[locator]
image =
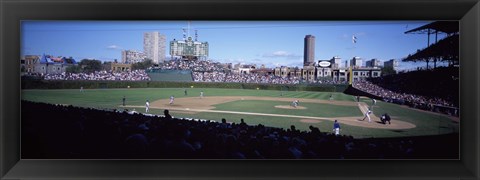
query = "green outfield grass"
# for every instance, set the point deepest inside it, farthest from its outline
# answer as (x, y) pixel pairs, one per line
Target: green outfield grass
(426, 123)
(313, 109)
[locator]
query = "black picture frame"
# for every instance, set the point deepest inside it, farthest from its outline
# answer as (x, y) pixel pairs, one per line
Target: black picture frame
(13, 12)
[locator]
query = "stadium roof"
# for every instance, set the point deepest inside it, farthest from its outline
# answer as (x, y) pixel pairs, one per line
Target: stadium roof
(446, 48)
(440, 26)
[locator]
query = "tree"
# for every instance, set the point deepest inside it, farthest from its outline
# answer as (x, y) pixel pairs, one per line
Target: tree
(90, 65)
(73, 69)
(142, 65)
(69, 60)
(388, 71)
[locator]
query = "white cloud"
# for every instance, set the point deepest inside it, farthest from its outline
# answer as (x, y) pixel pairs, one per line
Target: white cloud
(114, 47)
(281, 54)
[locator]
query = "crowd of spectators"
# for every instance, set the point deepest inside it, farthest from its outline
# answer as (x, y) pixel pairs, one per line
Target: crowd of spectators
(208, 71)
(389, 95)
(432, 90)
(327, 81)
(202, 71)
(198, 65)
(440, 82)
(135, 75)
(74, 132)
(242, 78)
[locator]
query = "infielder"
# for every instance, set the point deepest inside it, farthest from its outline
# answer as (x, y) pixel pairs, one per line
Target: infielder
(201, 94)
(331, 97)
(367, 115)
(336, 128)
(147, 106)
(171, 99)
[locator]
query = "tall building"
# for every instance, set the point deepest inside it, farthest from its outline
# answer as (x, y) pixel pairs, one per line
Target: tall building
(391, 63)
(131, 57)
(356, 62)
(154, 46)
(372, 63)
(336, 62)
(309, 50)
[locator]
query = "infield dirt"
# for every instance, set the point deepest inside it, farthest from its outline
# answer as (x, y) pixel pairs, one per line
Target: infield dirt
(193, 105)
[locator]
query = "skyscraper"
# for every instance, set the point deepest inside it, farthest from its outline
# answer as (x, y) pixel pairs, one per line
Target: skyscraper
(154, 46)
(336, 62)
(309, 50)
(372, 63)
(356, 62)
(391, 63)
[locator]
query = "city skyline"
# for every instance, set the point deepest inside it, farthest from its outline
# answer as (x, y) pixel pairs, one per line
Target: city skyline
(273, 43)
(154, 46)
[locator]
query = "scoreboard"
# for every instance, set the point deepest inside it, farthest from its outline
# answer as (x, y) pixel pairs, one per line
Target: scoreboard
(188, 48)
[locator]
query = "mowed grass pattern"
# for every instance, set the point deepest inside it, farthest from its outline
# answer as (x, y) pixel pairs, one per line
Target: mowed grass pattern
(427, 123)
(312, 109)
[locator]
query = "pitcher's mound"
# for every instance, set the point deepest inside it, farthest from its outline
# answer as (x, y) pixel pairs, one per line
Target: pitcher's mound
(289, 107)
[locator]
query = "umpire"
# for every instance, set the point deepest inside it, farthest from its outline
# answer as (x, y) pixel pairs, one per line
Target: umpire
(385, 117)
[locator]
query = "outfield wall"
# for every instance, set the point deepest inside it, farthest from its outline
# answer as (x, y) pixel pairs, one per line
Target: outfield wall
(170, 75)
(61, 84)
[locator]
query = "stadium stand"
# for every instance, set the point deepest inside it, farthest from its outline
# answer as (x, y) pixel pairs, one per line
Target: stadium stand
(434, 89)
(136, 75)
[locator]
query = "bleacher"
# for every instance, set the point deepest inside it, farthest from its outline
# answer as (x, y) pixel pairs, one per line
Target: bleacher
(170, 75)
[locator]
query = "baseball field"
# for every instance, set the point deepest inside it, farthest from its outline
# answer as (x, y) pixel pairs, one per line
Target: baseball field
(267, 107)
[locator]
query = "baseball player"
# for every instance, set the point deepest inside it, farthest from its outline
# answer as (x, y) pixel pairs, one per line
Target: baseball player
(171, 99)
(385, 117)
(123, 100)
(295, 103)
(336, 128)
(185, 91)
(367, 115)
(331, 97)
(147, 106)
(81, 88)
(201, 94)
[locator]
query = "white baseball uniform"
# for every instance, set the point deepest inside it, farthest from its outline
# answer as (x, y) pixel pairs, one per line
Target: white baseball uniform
(147, 106)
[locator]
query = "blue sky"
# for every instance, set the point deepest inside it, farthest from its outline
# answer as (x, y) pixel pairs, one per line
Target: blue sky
(272, 43)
